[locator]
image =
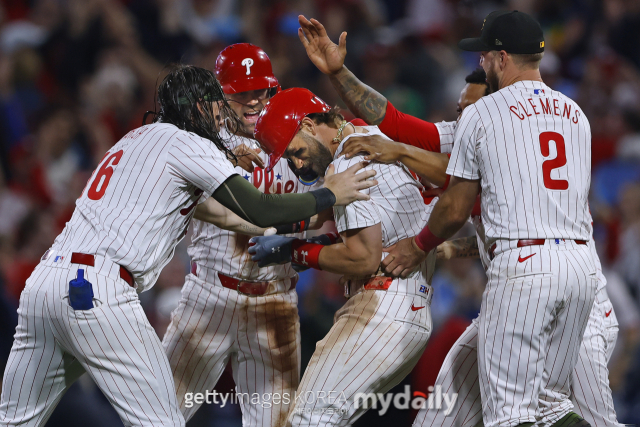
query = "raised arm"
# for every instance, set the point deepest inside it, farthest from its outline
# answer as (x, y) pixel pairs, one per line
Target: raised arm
(362, 100)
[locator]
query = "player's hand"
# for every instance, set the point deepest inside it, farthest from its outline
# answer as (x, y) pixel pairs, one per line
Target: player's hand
(403, 258)
(325, 54)
(247, 157)
(346, 185)
(376, 147)
(270, 250)
(445, 251)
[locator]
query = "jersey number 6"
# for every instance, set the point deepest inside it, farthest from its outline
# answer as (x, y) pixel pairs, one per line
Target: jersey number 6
(103, 176)
(551, 164)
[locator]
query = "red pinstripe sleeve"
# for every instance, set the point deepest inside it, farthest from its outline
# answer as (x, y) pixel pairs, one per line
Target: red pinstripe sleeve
(410, 130)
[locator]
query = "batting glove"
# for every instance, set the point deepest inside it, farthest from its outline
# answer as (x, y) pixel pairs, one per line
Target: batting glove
(322, 239)
(325, 239)
(270, 250)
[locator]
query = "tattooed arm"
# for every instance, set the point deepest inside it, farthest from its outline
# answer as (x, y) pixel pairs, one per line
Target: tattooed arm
(466, 247)
(362, 100)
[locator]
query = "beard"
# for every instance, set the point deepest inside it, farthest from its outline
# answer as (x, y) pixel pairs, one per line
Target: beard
(492, 78)
(320, 156)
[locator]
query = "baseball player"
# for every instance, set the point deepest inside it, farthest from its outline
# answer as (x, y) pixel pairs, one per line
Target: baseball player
(527, 148)
(590, 391)
(79, 311)
(349, 362)
(230, 309)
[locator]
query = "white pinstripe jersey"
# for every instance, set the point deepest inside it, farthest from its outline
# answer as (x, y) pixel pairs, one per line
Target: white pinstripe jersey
(139, 201)
(446, 131)
(395, 202)
(531, 148)
(226, 251)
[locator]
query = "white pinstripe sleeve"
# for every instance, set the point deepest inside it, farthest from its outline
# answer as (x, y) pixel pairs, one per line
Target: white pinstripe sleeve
(198, 161)
(446, 131)
(359, 214)
(468, 137)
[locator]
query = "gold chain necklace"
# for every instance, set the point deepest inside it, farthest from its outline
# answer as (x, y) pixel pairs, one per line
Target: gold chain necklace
(338, 137)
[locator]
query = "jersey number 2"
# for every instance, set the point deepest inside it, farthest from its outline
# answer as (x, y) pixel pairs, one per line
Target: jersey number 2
(103, 176)
(551, 164)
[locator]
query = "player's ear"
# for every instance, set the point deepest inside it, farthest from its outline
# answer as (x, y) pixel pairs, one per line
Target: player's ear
(504, 58)
(308, 125)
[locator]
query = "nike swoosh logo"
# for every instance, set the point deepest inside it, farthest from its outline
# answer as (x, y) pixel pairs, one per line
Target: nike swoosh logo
(414, 308)
(520, 259)
(608, 313)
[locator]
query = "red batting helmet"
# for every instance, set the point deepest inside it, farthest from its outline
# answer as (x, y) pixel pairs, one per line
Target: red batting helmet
(280, 120)
(242, 67)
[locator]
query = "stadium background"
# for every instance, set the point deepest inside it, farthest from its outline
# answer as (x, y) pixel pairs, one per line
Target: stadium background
(76, 75)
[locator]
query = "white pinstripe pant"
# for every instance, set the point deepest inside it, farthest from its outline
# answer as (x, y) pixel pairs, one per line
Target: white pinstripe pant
(532, 320)
(260, 335)
(113, 342)
(376, 340)
(590, 392)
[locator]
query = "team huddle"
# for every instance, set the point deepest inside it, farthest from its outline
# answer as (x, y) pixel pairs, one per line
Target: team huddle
(253, 167)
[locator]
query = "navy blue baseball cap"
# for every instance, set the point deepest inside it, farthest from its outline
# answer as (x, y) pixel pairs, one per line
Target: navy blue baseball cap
(511, 31)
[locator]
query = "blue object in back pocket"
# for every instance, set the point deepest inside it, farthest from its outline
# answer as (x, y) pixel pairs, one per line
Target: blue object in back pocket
(80, 293)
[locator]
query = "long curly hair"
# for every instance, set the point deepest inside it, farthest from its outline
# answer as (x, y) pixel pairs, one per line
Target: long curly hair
(186, 98)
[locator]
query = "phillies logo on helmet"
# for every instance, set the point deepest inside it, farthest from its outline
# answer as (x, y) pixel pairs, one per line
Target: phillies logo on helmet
(247, 62)
(243, 67)
(280, 120)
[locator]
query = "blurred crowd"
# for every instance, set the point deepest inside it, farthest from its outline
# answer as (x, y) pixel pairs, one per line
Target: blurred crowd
(76, 75)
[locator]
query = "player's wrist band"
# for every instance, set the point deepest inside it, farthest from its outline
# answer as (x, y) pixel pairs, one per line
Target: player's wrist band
(296, 227)
(324, 199)
(306, 254)
(333, 237)
(446, 182)
(426, 240)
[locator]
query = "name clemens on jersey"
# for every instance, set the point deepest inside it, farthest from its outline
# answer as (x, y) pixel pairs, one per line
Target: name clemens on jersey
(548, 106)
(264, 181)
